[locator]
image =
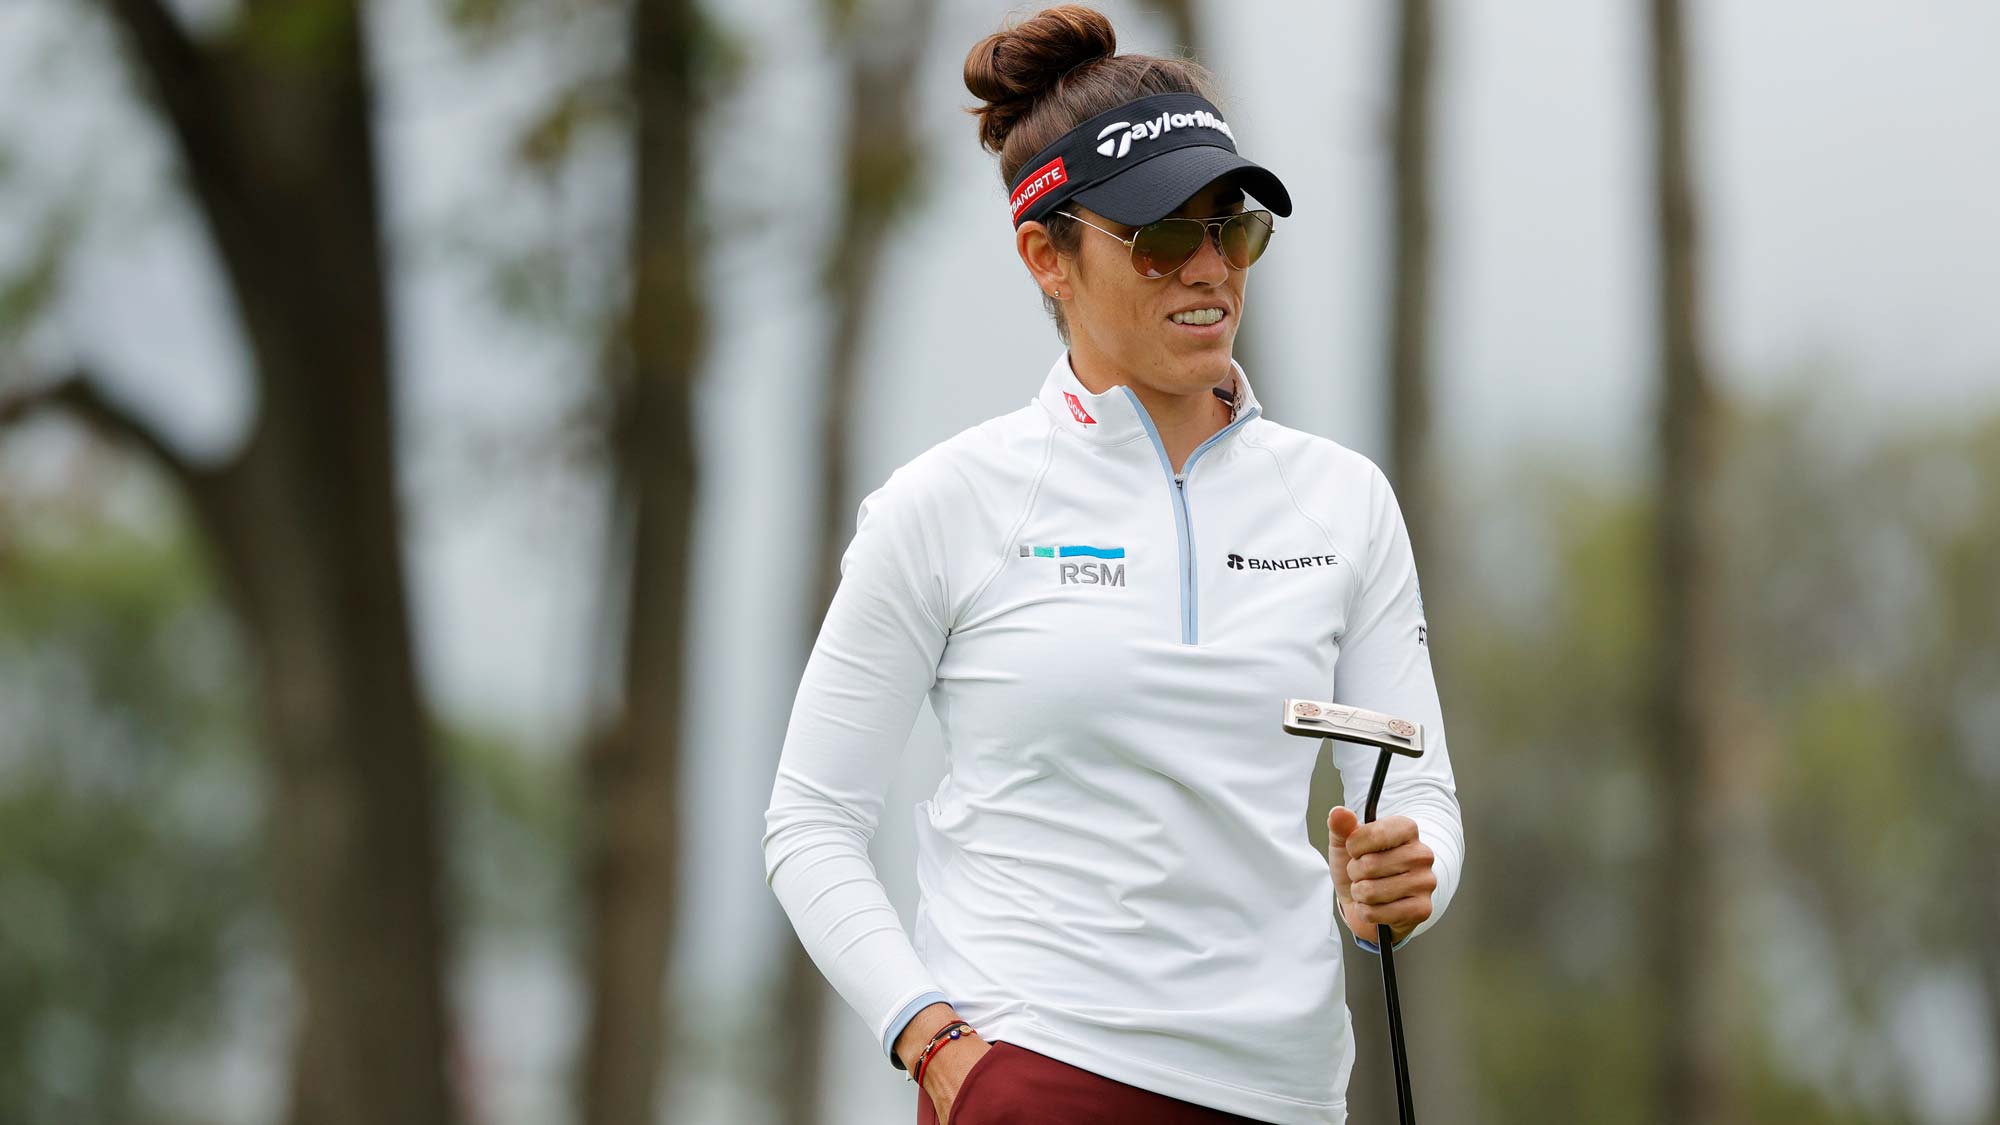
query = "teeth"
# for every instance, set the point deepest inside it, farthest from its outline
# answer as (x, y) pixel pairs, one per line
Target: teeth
(1197, 316)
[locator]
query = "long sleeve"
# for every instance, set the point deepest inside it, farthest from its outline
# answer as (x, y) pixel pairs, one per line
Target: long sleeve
(1385, 665)
(874, 660)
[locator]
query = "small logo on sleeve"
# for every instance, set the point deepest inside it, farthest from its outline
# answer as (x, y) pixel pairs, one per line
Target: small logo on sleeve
(1077, 411)
(1423, 627)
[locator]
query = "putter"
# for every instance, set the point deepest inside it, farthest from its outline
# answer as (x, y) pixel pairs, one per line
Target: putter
(1314, 718)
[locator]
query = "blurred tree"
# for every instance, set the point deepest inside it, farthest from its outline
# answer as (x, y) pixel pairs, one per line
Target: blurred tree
(1689, 666)
(1408, 315)
(1548, 660)
(880, 45)
(1862, 601)
(1439, 1054)
(644, 76)
(1371, 1092)
(132, 888)
(272, 119)
(1864, 622)
(632, 855)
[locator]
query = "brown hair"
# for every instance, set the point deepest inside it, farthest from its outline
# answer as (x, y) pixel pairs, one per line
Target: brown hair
(1043, 76)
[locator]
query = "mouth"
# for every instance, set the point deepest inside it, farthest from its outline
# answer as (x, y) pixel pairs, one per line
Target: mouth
(1213, 331)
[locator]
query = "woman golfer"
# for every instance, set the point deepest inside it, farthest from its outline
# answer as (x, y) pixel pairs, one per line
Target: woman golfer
(1107, 595)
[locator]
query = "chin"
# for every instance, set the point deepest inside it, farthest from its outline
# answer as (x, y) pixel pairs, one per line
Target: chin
(1209, 359)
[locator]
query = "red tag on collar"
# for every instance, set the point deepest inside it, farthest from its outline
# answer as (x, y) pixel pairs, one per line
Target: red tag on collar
(1077, 410)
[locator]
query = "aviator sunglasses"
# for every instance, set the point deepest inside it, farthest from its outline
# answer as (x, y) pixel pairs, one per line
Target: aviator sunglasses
(1160, 248)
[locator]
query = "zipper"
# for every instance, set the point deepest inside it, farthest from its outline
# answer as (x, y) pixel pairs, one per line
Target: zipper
(1188, 622)
(1182, 514)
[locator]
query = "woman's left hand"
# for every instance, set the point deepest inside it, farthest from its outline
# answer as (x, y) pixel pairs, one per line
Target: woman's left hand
(1381, 872)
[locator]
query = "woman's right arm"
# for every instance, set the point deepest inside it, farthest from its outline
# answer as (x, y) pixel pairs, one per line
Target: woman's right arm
(873, 662)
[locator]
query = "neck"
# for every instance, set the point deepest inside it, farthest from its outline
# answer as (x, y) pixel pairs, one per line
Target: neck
(1184, 420)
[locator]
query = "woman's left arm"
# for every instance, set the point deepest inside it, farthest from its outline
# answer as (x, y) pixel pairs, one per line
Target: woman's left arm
(1385, 665)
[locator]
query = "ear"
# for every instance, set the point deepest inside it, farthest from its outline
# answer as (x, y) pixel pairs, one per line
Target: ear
(1052, 272)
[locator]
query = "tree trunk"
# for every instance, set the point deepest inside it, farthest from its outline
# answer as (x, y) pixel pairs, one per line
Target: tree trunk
(632, 856)
(275, 130)
(1440, 1059)
(883, 46)
(1408, 358)
(1683, 925)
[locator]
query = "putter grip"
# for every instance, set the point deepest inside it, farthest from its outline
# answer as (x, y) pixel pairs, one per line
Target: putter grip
(1385, 942)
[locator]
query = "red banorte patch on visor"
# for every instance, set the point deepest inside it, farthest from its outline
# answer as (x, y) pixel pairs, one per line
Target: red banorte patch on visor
(1050, 175)
(1076, 408)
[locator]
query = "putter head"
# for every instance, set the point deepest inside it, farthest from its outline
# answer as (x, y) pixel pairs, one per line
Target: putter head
(1314, 718)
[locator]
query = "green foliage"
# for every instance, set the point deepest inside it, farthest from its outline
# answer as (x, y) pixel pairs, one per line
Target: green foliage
(552, 133)
(131, 877)
(128, 809)
(28, 287)
(722, 57)
(307, 34)
(1864, 634)
(1551, 1051)
(515, 820)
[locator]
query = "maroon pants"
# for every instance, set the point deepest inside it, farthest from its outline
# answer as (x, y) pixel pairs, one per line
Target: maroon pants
(1012, 1085)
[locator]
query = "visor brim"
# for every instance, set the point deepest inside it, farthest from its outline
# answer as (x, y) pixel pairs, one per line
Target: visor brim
(1154, 188)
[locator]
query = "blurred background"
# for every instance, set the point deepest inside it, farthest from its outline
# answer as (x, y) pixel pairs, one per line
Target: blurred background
(428, 429)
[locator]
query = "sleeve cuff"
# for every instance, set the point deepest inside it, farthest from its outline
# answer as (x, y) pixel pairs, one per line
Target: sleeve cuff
(1373, 948)
(902, 1019)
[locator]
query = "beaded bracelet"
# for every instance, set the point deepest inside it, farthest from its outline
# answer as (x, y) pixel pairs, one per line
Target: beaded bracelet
(944, 1035)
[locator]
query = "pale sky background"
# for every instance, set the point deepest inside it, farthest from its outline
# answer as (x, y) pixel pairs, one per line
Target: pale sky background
(1848, 174)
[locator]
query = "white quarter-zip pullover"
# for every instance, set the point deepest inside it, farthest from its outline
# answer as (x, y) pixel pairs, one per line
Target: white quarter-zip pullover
(1115, 870)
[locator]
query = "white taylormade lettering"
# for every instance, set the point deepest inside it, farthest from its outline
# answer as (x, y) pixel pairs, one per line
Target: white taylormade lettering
(1154, 129)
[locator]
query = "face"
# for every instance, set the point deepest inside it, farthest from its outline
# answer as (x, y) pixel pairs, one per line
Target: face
(1119, 320)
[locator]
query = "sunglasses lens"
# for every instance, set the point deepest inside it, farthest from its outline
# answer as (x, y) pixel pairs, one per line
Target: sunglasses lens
(1159, 249)
(1245, 236)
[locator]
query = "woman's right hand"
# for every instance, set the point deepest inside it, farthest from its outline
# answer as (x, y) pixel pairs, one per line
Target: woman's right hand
(946, 1072)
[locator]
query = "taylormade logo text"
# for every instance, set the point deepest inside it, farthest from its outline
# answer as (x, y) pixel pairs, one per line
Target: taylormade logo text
(1118, 146)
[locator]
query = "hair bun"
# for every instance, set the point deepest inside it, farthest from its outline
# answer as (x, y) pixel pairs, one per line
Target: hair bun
(1011, 69)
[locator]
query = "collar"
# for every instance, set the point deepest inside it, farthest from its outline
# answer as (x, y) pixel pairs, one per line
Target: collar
(1116, 416)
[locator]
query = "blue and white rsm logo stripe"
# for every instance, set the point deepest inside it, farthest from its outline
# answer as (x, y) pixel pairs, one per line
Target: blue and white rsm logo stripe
(1082, 571)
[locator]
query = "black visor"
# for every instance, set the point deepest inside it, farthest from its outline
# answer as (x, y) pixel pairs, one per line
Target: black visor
(1138, 162)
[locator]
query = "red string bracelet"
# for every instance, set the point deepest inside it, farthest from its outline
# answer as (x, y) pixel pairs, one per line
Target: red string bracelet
(944, 1035)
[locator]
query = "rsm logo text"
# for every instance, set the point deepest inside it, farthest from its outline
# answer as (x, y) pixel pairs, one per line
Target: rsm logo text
(1082, 564)
(1091, 574)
